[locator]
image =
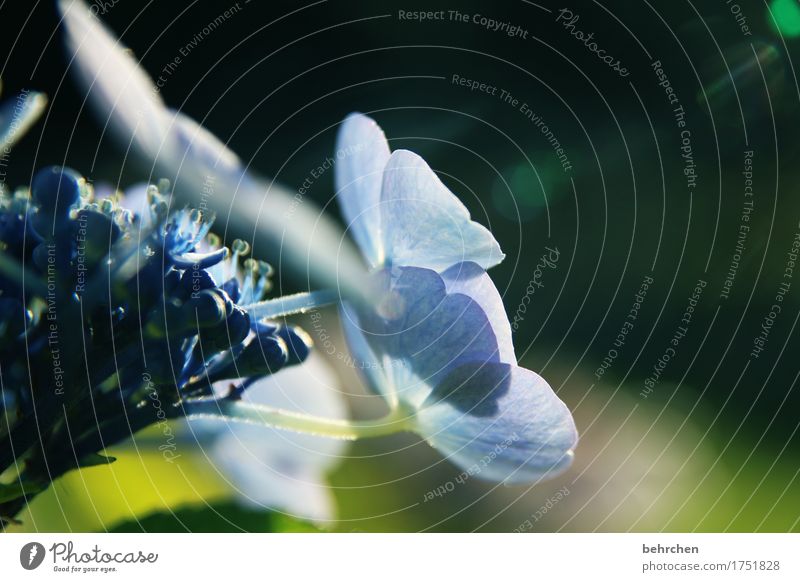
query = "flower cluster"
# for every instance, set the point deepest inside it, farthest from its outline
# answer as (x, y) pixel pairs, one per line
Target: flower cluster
(102, 307)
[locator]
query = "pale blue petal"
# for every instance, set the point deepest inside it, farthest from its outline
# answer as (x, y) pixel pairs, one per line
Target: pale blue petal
(198, 149)
(471, 279)
(18, 114)
(361, 156)
(417, 333)
(267, 485)
(502, 421)
(284, 470)
(424, 224)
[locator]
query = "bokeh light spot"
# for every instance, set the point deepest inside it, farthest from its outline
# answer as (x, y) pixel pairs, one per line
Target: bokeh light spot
(786, 14)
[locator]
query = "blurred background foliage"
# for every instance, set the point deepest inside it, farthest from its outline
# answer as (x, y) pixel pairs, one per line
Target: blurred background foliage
(714, 447)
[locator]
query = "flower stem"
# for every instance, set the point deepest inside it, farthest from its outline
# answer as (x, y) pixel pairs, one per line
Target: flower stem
(291, 304)
(240, 411)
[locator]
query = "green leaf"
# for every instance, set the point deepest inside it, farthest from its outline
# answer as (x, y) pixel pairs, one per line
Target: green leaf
(12, 491)
(222, 517)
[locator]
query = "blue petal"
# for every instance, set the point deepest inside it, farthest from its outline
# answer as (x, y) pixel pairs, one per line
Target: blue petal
(424, 224)
(500, 423)
(361, 156)
(471, 280)
(417, 333)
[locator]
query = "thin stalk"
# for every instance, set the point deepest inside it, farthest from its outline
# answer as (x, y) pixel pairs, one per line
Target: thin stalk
(240, 411)
(291, 304)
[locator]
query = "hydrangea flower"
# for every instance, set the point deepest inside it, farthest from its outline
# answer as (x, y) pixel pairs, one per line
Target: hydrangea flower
(105, 312)
(435, 339)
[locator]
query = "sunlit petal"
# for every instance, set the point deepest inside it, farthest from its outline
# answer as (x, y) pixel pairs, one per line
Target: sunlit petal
(424, 224)
(361, 155)
(504, 420)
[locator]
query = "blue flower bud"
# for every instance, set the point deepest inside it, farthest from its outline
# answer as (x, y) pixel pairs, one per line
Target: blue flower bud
(228, 334)
(193, 281)
(95, 234)
(182, 319)
(265, 355)
(298, 343)
(225, 300)
(207, 308)
(56, 189)
(238, 325)
(231, 287)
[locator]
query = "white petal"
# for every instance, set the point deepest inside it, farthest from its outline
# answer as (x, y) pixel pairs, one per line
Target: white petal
(500, 423)
(361, 155)
(424, 224)
(122, 94)
(278, 469)
(18, 114)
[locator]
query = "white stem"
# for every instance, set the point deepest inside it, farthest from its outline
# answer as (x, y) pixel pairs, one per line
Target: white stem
(291, 304)
(240, 411)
